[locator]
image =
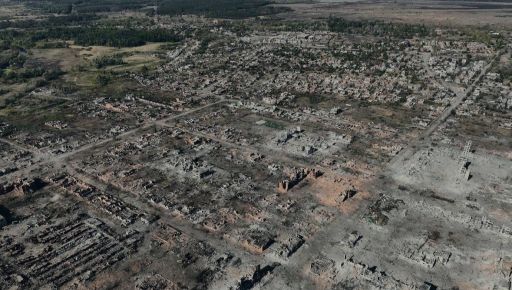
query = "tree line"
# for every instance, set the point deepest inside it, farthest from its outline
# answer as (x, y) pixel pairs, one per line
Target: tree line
(52, 21)
(86, 36)
(219, 8)
(89, 6)
(109, 36)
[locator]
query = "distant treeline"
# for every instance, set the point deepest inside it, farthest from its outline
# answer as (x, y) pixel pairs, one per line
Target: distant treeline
(110, 36)
(377, 28)
(106, 36)
(88, 6)
(208, 8)
(52, 21)
(219, 8)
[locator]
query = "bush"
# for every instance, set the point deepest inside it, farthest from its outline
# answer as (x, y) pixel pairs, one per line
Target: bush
(52, 74)
(102, 80)
(105, 61)
(505, 72)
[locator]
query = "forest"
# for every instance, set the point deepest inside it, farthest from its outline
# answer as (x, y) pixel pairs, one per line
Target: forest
(109, 36)
(51, 21)
(89, 6)
(86, 36)
(219, 8)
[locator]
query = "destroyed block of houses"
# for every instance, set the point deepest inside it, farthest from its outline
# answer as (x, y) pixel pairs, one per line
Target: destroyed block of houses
(23, 186)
